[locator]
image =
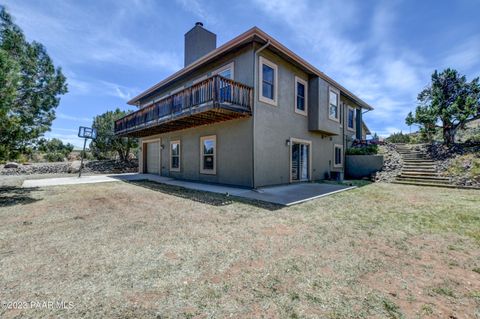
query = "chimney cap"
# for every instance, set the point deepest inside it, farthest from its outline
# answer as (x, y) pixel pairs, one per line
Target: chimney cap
(200, 24)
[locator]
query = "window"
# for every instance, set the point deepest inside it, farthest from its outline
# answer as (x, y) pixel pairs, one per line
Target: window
(268, 79)
(301, 96)
(226, 90)
(338, 156)
(333, 110)
(175, 156)
(351, 118)
(208, 154)
(226, 71)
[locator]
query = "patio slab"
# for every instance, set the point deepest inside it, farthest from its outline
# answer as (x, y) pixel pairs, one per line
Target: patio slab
(286, 195)
(292, 194)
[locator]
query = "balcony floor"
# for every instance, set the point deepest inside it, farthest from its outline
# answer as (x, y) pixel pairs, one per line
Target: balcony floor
(197, 116)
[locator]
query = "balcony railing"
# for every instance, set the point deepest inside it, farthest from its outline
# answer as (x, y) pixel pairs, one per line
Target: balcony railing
(214, 93)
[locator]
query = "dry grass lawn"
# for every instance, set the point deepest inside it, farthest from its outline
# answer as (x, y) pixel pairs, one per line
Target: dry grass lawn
(142, 250)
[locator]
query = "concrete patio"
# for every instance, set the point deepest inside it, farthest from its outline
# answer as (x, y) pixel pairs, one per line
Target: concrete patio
(282, 195)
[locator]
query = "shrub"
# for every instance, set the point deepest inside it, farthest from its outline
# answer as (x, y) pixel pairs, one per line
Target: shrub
(398, 138)
(371, 149)
(54, 157)
(87, 155)
(54, 149)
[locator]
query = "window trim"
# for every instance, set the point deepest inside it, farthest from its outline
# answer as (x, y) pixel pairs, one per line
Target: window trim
(305, 98)
(310, 157)
(354, 115)
(179, 155)
(336, 91)
(335, 146)
(227, 66)
(262, 98)
(202, 155)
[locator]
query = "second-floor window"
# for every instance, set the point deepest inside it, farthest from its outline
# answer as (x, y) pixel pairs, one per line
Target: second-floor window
(268, 81)
(300, 96)
(351, 118)
(333, 101)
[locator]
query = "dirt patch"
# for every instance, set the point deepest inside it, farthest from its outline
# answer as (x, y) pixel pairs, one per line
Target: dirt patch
(127, 251)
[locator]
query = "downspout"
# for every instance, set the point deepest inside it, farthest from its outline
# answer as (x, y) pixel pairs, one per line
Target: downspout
(361, 123)
(255, 98)
(344, 142)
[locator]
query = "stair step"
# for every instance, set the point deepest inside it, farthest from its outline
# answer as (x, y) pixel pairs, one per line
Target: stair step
(437, 176)
(423, 179)
(419, 167)
(409, 173)
(416, 170)
(430, 184)
(414, 157)
(416, 162)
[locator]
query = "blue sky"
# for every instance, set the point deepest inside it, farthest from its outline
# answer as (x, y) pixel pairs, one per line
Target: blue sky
(383, 51)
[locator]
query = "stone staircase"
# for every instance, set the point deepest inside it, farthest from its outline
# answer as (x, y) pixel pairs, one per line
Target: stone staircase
(418, 169)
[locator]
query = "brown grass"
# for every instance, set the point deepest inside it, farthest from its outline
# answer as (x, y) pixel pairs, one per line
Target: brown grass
(148, 251)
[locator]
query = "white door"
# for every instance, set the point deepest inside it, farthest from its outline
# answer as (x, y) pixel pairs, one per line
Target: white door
(153, 158)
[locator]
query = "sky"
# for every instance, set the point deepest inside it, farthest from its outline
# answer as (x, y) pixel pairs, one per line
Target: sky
(383, 51)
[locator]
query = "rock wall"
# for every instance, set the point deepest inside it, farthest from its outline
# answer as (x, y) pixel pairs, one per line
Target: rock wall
(98, 167)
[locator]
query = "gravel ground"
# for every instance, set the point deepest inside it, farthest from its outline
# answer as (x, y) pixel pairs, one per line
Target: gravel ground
(143, 250)
(392, 163)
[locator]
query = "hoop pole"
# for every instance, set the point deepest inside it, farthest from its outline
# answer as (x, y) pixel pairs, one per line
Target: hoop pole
(81, 162)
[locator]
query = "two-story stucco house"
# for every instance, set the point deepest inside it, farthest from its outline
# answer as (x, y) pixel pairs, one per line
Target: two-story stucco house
(249, 113)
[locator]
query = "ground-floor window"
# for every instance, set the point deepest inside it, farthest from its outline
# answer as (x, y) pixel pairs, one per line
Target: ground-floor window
(338, 155)
(208, 154)
(175, 156)
(300, 160)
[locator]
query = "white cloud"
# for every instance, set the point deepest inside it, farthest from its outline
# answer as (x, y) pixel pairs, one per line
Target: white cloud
(65, 129)
(75, 35)
(198, 9)
(100, 87)
(374, 66)
(464, 56)
(67, 117)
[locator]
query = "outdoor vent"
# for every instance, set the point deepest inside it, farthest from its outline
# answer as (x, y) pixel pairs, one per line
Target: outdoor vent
(198, 42)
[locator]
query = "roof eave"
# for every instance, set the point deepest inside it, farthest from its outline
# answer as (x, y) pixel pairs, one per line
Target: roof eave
(254, 31)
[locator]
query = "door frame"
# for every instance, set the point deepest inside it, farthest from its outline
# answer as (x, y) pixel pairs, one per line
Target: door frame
(144, 154)
(305, 142)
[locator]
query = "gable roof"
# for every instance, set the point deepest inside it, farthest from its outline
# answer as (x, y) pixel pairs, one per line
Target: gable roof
(246, 37)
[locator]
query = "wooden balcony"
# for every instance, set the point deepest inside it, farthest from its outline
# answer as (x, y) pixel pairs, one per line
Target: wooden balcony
(212, 100)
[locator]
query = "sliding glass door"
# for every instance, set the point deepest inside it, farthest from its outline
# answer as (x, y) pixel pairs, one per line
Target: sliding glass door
(300, 161)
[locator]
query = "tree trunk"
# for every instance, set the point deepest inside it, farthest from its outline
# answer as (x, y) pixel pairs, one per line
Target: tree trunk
(449, 135)
(121, 155)
(127, 154)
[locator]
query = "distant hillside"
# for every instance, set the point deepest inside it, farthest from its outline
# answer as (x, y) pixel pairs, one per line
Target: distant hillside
(471, 132)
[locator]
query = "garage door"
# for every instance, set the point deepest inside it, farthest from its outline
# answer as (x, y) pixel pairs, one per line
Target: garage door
(153, 158)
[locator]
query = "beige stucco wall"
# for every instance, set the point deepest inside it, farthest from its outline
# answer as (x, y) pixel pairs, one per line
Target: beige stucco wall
(234, 152)
(254, 151)
(274, 125)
